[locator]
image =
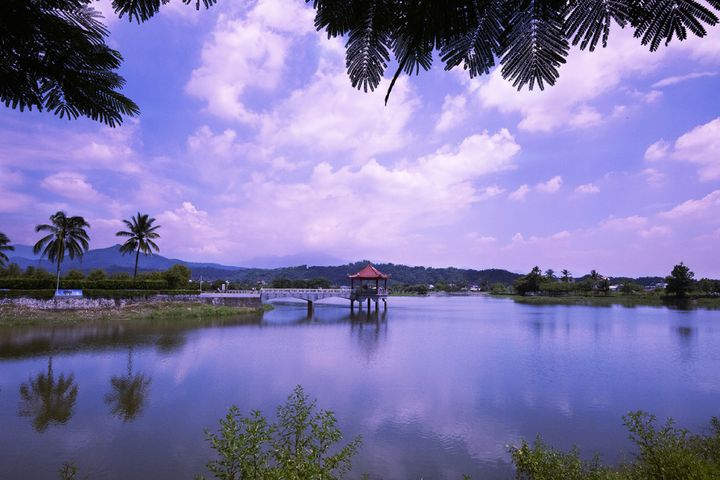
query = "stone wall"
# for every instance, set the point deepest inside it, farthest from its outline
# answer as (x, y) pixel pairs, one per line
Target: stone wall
(106, 303)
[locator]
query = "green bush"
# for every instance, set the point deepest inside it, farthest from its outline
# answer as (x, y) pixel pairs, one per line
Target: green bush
(665, 453)
(299, 445)
(108, 284)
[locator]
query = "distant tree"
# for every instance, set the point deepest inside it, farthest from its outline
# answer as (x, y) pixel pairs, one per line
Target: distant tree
(4, 247)
(603, 286)
(96, 275)
(177, 276)
(120, 276)
(530, 282)
(319, 283)
(680, 281)
(140, 235)
(66, 235)
(498, 288)
(281, 282)
(13, 271)
(74, 275)
(566, 275)
(630, 288)
(550, 275)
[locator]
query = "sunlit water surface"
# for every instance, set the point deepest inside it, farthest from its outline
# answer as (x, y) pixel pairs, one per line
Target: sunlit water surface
(437, 387)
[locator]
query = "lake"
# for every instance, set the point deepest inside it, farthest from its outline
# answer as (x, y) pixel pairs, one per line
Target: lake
(436, 386)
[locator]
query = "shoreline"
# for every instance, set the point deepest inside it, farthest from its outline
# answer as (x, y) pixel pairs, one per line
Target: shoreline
(628, 301)
(19, 315)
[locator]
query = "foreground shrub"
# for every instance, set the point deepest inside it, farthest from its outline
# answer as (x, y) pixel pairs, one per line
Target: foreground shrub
(298, 446)
(665, 453)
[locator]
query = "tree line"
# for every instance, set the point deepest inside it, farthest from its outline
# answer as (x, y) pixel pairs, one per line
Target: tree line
(680, 283)
(67, 236)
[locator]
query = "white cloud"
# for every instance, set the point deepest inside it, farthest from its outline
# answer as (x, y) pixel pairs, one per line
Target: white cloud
(708, 206)
(551, 186)
(586, 189)
(657, 151)
(701, 146)
(654, 177)
(633, 222)
(246, 53)
(329, 116)
(585, 77)
(675, 79)
(520, 193)
(349, 205)
(71, 185)
(454, 111)
(52, 148)
(656, 231)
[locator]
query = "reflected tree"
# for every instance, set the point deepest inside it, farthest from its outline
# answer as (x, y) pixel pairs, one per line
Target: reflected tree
(48, 399)
(128, 394)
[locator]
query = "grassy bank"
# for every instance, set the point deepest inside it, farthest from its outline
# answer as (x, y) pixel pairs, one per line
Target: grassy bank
(14, 315)
(623, 300)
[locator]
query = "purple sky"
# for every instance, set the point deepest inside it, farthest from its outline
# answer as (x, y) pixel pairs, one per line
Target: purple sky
(252, 142)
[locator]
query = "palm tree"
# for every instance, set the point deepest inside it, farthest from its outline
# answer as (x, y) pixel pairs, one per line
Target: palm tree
(565, 275)
(4, 247)
(67, 234)
(140, 233)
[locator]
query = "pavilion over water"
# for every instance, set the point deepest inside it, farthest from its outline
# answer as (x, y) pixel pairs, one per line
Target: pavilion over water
(361, 285)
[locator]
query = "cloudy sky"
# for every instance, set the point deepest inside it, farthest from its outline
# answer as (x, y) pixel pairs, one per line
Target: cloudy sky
(252, 142)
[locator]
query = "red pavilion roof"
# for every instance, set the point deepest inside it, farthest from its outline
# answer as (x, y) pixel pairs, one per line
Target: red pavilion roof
(369, 273)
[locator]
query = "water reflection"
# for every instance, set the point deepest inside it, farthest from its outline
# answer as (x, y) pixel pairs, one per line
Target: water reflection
(48, 399)
(129, 393)
(167, 336)
(369, 330)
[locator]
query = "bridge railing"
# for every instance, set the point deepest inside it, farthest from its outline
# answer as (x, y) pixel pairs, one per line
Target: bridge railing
(305, 290)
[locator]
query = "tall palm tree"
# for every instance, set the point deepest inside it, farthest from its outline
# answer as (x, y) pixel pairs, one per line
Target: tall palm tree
(565, 275)
(67, 235)
(4, 247)
(140, 233)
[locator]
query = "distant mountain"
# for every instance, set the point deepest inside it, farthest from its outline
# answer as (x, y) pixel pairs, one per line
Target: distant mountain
(308, 258)
(301, 267)
(111, 260)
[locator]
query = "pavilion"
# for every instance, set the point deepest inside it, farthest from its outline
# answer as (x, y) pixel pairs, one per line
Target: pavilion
(361, 291)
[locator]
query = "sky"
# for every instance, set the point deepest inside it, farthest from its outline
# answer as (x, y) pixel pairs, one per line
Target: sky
(252, 142)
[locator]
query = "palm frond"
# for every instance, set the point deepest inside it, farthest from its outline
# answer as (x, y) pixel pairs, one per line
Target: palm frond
(667, 18)
(536, 45)
(367, 44)
(589, 21)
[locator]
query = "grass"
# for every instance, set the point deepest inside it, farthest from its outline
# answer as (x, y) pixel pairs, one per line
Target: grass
(623, 300)
(13, 315)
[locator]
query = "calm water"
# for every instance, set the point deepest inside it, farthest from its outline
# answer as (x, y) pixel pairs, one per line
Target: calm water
(437, 387)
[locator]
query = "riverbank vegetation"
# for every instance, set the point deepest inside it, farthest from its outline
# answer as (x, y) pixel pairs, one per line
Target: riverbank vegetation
(305, 442)
(679, 289)
(18, 315)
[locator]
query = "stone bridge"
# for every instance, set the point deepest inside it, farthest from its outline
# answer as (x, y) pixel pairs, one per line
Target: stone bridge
(311, 295)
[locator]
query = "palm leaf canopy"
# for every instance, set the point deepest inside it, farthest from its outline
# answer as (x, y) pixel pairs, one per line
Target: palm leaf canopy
(4, 247)
(54, 56)
(140, 234)
(65, 235)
